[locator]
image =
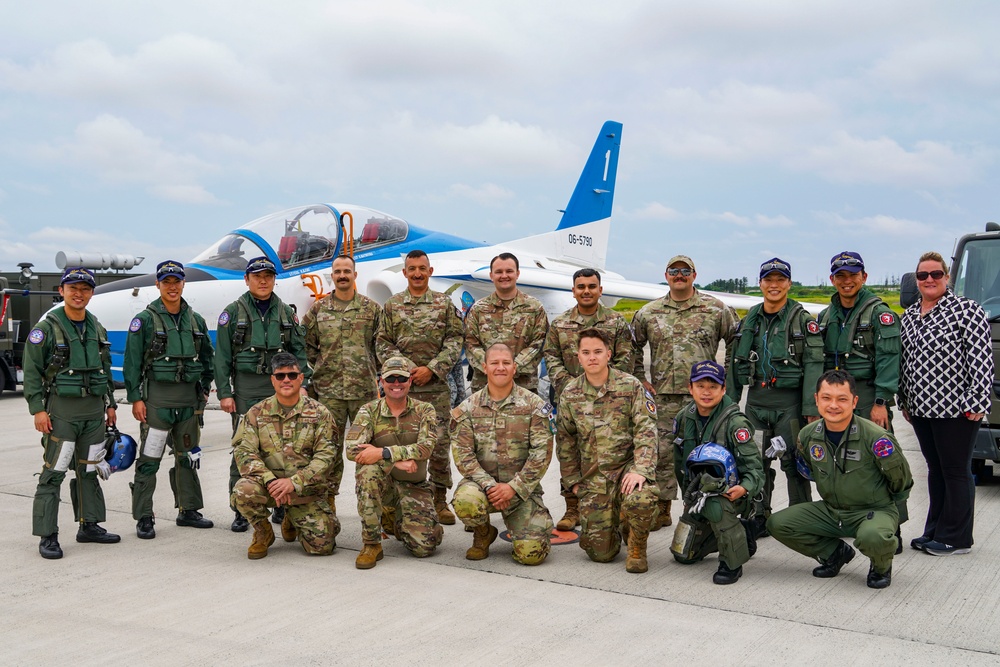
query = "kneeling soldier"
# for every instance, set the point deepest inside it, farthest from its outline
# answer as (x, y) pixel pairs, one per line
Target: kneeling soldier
(711, 428)
(501, 440)
(390, 441)
(606, 442)
(284, 448)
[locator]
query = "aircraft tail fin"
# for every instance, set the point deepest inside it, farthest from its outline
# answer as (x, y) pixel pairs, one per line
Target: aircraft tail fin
(595, 191)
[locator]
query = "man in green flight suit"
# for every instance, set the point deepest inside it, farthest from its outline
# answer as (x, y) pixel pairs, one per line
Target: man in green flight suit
(67, 383)
(777, 354)
(251, 330)
(713, 417)
(861, 475)
(168, 374)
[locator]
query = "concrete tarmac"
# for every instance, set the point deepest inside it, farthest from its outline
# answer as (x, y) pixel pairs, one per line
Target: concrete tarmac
(191, 597)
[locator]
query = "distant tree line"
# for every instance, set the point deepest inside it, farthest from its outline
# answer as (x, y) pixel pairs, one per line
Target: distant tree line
(731, 285)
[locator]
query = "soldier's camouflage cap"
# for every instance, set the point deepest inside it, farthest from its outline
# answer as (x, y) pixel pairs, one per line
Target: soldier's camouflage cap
(77, 275)
(396, 366)
(259, 265)
(169, 268)
(708, 370)
(682, 258)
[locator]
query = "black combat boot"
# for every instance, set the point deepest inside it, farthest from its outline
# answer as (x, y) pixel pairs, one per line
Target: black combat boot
(842, 555)
(876, 580)
(144, 528)
(240, 524)
(193, 518)
(91, 532)
(277, 515)
(49, 547)
(726, 576)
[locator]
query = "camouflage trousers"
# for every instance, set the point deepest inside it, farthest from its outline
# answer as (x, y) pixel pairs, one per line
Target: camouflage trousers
(667, 407)
(718, 528)
(341, 410)
(606, 517)
(79, 439)
(410, 506)
(528, 521)
(439, 465)
(181, 426)
(316, 524)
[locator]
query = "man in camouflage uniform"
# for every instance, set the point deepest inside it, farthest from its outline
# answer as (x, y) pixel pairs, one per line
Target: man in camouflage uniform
(423, 326)
(507, 316)
(560, 352)
(714, 517)
(168, 373)
(682, 328)
(501, 439)
(67, 383)
(390, 441)
(340, 332)
(777, 353)
(284, 449)
(862, 476)
(250, 331)
(606, 444)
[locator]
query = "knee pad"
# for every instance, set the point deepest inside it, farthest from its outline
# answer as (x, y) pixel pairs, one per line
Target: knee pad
(154, 444)
(95, 454)
(530, 552)
(64, 457)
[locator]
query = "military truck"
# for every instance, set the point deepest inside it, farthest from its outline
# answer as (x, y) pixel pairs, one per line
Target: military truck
(975, 274)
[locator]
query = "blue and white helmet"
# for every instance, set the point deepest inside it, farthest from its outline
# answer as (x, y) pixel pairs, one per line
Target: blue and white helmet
(120, 449)
(715, 460)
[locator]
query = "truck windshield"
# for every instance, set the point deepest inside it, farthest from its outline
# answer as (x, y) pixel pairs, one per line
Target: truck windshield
(977, 274)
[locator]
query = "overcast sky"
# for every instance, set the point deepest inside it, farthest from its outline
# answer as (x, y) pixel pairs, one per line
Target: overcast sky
(751, 129)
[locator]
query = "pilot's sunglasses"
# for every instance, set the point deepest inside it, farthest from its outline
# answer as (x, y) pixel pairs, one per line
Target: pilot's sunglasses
(847, 262)
(923, 275)
(291, 375)
(775, 266)
(683, 272)
(394, 379)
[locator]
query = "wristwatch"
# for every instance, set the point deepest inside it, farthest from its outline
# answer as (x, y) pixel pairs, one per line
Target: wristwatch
(880, 401)
(386, 454)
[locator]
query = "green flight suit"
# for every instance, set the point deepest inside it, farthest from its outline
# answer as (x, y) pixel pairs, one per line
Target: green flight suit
(717, 525)
(168, 364)
(75, 392)
(860, 480)
(779, 359)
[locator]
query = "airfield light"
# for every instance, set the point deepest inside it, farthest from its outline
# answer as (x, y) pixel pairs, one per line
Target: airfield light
(26, 272)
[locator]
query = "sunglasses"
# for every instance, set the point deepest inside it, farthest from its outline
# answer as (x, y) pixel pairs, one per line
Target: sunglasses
(683, 272)
(291, 375)
(775, 266)
(923, 275)
(394, 379)
(847, 262)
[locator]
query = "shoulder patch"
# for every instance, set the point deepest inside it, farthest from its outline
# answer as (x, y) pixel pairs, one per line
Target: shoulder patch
(36, 336)
(649, 396)
(295, 317)
(546, 409)
(817, 452)
(650, 406)
(135, 325)
(883, 447)
(457, 412)
(887, 319)
(353, 432)
(224, 318)
(812, 327)
(742, 435)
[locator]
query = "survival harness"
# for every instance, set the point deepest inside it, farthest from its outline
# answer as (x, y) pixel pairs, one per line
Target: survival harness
(60, 356)
(796, 340)
(243, 323)
(158, 348)
(860, 326)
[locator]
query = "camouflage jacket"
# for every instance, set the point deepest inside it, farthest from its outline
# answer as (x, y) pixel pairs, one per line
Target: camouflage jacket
(375, 419)
(426, 330)
(604, 432)
(299, 445)
(520, 325)
(680, 334)
(340, 345)
(507, 441)
(561, 344)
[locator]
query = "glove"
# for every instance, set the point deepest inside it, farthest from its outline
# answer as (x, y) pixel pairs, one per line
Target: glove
(193, 459)
(777, 448)
(103, 470)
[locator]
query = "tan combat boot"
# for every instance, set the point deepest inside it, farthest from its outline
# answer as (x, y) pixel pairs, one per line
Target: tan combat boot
(263, 537)
(482, 538)
(368, 556)
(664, 518)
(332, 499)
(445, 515)
(288, 530)
(636, 560)
(571, 519)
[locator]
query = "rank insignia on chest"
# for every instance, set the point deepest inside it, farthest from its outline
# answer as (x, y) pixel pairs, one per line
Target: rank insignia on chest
(852, 455)
(36, 336)
(887, 319)
(883, 447)
(817, 452)
(742, 435)
(501, 422)
(812, 327)
(223, 319)
(135, 325)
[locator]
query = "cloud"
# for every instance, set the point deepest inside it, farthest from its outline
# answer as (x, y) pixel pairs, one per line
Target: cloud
(874, 226)
(499, 143)
(653, 211)
(120, 153)
(488, 194)
(757, 220)
(959, 61)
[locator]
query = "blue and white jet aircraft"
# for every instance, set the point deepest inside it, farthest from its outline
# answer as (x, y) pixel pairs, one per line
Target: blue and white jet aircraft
(302, 242)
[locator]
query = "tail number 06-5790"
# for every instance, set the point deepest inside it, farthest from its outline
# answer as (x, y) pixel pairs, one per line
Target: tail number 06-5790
(576, 239)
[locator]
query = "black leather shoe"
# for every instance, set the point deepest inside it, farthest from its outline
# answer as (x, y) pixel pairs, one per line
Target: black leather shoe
(240, 524)
(899, 541)
(49, 547)
(277, 515)
(144, 528)
(193, 518)
(91, 532)
(876, 580)
(831, 568)
(726, 576)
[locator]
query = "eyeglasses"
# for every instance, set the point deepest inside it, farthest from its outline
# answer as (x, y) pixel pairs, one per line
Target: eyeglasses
(840, 263)
(683, 272)
(923, 275)
(394, 379)
(775, 266)
(291, 375)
